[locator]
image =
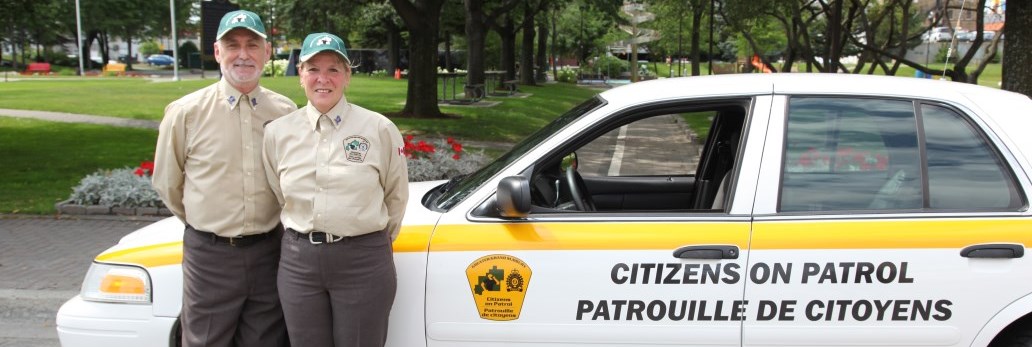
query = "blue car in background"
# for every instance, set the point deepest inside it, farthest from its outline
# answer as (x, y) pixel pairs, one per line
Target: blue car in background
(160, 60)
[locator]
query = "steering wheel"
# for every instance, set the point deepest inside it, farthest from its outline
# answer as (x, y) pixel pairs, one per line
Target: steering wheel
(579, 190)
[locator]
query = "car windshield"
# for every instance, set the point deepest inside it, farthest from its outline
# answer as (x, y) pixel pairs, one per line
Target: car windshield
(459, 187)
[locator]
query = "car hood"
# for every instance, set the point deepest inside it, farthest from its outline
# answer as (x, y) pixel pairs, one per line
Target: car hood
(168, 232)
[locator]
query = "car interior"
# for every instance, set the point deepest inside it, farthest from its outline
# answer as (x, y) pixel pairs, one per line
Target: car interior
(664, 158)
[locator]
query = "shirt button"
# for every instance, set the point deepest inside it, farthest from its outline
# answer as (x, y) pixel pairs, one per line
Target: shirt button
(319, 215)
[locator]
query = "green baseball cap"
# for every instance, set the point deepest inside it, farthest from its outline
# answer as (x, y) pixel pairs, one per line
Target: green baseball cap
(319, 42)
(241, 19)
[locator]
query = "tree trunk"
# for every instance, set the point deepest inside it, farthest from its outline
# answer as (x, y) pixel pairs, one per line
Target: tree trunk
(475, 35)
(422, 20)
(541, 58)
(129, 57)
(527, 46)
(833, 34)
(1017, 63)
(508, 33)
(697, 14)
(393, 48)
(555, 34)
(447, 52)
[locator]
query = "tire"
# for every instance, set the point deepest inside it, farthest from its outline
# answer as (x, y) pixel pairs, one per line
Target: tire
(1017, 337)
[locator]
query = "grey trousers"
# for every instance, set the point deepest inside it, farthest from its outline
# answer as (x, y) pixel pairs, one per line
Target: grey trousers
(337, 294)
(229, 291)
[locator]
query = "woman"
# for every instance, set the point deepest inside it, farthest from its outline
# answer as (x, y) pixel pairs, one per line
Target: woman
(341, 178)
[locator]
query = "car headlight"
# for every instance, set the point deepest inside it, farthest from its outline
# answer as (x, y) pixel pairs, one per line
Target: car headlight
(117, 283)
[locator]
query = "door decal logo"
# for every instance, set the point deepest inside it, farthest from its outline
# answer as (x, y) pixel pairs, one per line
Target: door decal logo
(499, 283)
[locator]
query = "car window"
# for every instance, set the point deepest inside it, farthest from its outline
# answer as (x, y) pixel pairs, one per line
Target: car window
(634, 149)
(850, 154)
(963, 170)
(662, 158)
(863, 154)
(444, 199)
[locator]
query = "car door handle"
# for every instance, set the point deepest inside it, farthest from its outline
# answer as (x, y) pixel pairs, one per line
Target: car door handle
(993, 250)
(707, 252)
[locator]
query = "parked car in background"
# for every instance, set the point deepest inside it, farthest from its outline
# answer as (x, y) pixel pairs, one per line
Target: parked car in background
(160, 60)
(968, 36)
(785, 210)
(964, 36)
(938, 34)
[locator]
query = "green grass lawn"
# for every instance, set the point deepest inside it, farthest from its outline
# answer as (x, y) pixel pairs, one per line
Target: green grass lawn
(42, 161)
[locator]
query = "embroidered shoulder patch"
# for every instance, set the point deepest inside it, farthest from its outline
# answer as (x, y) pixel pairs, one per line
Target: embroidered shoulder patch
(355, 148)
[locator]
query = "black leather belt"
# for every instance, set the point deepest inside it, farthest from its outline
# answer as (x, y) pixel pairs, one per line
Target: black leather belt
(319, 237)
(238, 241)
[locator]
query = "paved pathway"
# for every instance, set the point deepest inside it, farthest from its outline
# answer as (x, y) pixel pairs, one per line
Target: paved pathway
(80, 118)
(43, 261)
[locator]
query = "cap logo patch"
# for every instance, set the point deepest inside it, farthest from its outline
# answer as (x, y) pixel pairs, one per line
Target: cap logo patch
(323, 41)
(239, 18)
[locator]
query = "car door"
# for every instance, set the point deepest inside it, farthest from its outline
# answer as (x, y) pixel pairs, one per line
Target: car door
(882, 222)
(562, 276)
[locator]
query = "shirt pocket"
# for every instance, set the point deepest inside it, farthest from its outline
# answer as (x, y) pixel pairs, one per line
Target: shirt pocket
(354, 185)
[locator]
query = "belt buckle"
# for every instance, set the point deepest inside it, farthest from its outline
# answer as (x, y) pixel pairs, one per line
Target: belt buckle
(233, 240)
(312, 240)
(330, 238)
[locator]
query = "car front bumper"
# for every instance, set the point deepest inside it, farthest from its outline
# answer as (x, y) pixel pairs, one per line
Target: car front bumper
(87, 324)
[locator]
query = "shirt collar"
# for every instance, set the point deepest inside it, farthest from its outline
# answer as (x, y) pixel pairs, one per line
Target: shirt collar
(231, 96)
(337, 114)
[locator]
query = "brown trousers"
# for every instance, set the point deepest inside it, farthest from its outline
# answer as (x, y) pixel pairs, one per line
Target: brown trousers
(337, 294)
(229, 292)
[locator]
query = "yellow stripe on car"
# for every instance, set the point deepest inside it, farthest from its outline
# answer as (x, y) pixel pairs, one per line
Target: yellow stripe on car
(840, 234)
(161, 254)
(412, 239)
(587, 236)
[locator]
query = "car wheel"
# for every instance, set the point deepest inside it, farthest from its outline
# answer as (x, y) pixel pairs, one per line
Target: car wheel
(1015, 336)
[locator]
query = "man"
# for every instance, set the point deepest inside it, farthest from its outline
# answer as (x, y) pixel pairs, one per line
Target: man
(208, 171)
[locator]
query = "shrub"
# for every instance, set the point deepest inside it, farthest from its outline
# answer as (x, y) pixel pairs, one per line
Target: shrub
(439, 159)
(610, 66)
(281, 67)
(566, 75)
(126, 187)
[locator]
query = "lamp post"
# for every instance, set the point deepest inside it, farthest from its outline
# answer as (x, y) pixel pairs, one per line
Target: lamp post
(78, 35)
(175, 41)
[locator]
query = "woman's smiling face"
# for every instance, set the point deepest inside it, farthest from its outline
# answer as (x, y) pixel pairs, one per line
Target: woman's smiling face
(324, 78)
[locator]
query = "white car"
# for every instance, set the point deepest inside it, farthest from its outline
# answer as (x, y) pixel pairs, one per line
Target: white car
(730, 210)
(938, 34)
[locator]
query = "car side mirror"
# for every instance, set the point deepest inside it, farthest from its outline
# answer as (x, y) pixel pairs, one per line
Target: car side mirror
(513, 197)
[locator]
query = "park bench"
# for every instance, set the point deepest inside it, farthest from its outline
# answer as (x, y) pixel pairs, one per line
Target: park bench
(115, 68)
(510, 85)
(38, 68)
(475, 92)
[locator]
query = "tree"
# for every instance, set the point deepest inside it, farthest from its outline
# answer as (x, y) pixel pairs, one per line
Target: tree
(422, 18)
(531, 8)
(1017, 63)
(478, 18)
(383, 28)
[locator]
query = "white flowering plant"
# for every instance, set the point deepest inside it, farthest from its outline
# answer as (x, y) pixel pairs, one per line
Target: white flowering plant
(126, 187)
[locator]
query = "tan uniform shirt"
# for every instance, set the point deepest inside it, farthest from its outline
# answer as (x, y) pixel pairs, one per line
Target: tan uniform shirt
(207, 164)
(342, 173)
